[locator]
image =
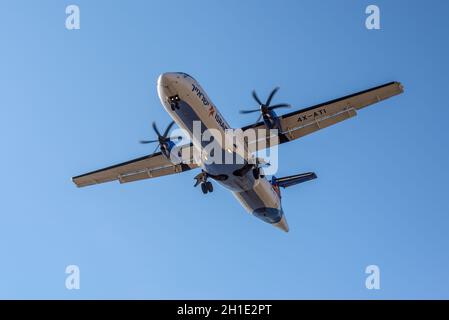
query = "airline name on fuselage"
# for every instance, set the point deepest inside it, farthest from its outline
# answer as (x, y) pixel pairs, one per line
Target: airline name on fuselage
(200, 95)
(206, 103)
(220, 121)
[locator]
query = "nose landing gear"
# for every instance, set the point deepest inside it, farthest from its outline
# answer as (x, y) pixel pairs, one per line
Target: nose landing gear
(174, 102)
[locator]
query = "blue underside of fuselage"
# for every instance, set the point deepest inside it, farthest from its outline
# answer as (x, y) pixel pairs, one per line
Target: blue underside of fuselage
(270, 215)
(188, 116)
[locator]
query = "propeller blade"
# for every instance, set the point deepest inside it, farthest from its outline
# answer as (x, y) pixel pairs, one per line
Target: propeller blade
(249, 111)
(270, 97)
(155, 129)
(265, 109)
(256, 98)
(168, 128)
(257, 121)
(154, 151)
(148, 141)
(280, 105)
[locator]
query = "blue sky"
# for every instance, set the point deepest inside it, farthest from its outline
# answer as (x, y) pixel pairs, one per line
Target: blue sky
(74, 101)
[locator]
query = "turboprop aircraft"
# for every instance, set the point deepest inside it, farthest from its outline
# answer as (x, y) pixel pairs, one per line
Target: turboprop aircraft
(192, 110)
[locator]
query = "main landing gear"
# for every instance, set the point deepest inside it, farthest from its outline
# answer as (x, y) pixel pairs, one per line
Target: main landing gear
(257, 171)
(254, 168)
(206, 186)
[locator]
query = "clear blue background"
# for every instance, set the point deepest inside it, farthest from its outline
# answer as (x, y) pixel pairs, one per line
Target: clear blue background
(74, 101)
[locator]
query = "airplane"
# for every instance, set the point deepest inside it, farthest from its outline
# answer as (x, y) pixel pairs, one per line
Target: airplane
(186, 102)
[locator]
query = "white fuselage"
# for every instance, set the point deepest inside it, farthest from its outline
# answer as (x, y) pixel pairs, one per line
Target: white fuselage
(257, 196)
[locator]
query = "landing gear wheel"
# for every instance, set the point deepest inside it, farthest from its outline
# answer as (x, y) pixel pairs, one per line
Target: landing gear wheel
(210, 186)
(174, 106)
(204, 188)
(256, 173)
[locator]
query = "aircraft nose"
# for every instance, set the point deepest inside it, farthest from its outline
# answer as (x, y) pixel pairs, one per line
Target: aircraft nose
(168, 78)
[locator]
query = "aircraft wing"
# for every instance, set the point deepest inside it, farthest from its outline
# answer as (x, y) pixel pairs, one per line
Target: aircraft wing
(305, 121)
(150, 166)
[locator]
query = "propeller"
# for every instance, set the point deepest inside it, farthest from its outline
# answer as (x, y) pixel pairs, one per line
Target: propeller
(162, 139)
(265, 108)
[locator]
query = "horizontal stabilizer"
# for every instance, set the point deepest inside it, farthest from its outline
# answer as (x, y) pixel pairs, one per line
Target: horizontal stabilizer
(295, 179)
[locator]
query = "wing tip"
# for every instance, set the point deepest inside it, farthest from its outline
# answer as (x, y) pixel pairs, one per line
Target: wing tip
(79, 184)
(401, 86)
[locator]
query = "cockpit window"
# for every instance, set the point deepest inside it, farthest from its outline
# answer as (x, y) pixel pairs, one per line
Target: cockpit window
(185, 75)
